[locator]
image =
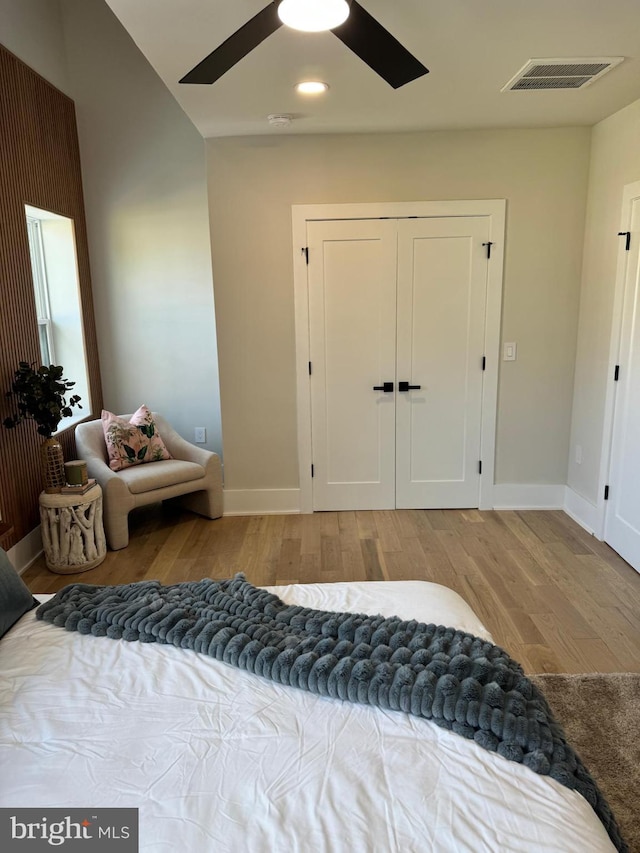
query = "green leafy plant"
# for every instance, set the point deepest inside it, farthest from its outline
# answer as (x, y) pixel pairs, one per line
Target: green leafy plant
(40, 395)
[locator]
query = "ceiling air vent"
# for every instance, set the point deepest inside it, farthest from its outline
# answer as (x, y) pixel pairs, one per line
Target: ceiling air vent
(540, 74)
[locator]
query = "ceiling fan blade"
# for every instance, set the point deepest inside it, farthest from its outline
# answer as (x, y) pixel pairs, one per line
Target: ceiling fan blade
(378, 48)
(236, 47)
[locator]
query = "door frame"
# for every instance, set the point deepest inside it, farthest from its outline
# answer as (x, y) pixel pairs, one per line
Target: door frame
(495, 211)
(630, 193)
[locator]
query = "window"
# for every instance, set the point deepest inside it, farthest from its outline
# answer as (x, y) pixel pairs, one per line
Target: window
(43, 309)
(57, 297)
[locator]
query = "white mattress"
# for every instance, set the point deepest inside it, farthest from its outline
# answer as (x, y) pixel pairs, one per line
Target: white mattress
(219, 760)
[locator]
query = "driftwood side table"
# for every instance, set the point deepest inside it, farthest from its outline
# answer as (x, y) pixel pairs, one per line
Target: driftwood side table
(72, 532)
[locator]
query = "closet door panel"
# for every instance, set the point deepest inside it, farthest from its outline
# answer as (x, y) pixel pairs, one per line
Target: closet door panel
(352, 307)
(442, 277)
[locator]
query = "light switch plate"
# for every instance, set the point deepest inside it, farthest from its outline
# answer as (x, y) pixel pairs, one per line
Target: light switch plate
(510, 351)
(200, 435)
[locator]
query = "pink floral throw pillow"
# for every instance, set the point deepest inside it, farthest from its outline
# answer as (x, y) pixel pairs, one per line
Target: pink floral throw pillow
(132, 442)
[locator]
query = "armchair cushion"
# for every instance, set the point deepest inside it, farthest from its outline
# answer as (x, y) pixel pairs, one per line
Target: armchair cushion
(146, 478)
(131, 442)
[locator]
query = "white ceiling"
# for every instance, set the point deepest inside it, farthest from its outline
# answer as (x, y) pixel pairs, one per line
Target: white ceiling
(471, 47)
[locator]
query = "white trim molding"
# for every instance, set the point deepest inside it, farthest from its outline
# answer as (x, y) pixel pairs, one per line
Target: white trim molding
(630, 193)
(507, 496)
(585, 513)
(26, 551)
(261, 501)
(495, 210)
(528, 496)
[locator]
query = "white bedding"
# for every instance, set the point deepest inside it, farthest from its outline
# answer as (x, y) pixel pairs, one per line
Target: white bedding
(220, 760)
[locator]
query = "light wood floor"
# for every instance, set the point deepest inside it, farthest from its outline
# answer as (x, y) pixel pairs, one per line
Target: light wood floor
(556, 598)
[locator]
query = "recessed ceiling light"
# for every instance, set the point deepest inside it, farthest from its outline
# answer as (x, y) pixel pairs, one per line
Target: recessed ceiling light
(311, 87)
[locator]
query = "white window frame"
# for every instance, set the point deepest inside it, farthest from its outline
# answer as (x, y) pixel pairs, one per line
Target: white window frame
(58, 301)
(41, 289)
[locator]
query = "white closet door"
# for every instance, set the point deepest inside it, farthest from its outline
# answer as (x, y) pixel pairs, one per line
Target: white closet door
(352, 309)
(622, 525)
(442, 283)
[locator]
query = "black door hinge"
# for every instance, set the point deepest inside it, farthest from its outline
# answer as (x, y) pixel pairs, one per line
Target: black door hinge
(305, 252)
(626, 234)
(606, 493)
(480, 467)
(484, 362)
(312, 472)
(616, 373)
(488, 245)
(309, 368)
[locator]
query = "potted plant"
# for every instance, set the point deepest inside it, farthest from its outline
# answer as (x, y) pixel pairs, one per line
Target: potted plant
(40, 395)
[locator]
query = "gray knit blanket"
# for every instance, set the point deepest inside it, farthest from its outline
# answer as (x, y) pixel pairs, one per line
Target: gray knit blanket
(455, 680)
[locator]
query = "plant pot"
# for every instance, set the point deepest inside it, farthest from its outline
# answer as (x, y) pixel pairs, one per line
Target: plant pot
(52, 463)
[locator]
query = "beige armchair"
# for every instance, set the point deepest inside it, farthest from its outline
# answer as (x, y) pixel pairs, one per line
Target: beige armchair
(194, 474)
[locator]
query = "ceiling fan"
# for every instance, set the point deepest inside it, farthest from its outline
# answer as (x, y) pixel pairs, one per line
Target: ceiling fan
(352, 24)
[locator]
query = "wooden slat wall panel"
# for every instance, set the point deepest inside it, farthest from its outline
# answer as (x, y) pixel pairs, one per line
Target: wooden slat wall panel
(39, 165)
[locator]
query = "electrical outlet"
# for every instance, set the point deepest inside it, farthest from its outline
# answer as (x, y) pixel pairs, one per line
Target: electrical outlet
(578, 454)
(201, 435)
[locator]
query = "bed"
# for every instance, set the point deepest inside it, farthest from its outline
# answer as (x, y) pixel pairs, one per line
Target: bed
(218, 759)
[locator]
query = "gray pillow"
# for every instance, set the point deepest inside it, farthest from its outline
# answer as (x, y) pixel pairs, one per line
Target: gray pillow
(15, 598)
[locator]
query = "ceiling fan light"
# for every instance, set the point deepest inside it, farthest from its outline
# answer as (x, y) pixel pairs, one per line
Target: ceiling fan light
(312, 87)
(313, 16)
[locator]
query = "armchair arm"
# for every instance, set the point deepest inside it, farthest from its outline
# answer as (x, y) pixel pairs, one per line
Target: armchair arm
(180, 448)
(98, 468)
(117, 499)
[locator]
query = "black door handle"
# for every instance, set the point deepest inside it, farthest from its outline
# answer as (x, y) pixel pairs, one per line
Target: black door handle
(387, 387)
(404, 386)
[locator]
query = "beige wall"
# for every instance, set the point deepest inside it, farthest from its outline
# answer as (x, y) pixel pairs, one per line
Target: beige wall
(145, 187)
(615, 161)
(32, 30)
(145, 190)
(254, 181)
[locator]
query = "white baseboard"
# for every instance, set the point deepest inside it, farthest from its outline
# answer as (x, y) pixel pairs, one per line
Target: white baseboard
(261, 501)
(26, 551)
(527, 496)
(583, 511)
(277, 501)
